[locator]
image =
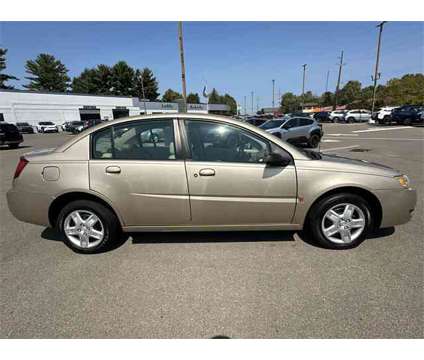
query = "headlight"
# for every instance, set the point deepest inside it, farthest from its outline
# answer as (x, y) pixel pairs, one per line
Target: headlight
(403, 181)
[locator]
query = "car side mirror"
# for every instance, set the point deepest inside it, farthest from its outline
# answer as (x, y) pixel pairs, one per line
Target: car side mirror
(276, 159)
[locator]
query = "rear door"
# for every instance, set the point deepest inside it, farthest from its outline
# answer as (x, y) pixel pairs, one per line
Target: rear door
(229, 183)
(136, 165)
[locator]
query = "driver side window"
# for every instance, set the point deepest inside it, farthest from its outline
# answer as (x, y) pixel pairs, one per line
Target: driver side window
(211, 141)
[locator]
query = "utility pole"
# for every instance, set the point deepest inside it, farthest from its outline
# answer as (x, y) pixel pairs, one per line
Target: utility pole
(303, 85)
(338, 81)
(183, 77)
(273, 92)
(257, 103)
(245, 110)
(377, 60)
(251, 93)
(326, 82)
(142, 92)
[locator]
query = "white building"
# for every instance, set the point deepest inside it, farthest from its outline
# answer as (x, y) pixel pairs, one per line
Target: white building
(33, 107)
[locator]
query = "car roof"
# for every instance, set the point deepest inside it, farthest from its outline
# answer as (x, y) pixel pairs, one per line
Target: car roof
(193, 117)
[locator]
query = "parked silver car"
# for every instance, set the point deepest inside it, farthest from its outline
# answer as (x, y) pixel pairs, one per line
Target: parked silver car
(174, 172)
(337, 115)
(296, 130)
(358, 115)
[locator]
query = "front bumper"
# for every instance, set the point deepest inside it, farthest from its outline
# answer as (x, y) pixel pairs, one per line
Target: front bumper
(397, 205)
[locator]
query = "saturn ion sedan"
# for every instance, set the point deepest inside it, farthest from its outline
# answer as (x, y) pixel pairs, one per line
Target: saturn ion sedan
(190, 172)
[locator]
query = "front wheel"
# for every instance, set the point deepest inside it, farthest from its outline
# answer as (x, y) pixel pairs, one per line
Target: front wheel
(88, 226)
(314, 140)
(340, 221)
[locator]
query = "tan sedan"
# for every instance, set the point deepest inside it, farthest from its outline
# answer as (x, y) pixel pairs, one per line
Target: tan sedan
(200, 172)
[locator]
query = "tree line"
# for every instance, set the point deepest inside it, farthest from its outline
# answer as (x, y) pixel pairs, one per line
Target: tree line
(46, 73)
(406, 90)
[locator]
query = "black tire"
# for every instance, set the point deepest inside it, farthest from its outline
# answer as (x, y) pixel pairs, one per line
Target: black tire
(108, 218)
(314, 140)
(350, 120)
(318, 210)
(387, 120)
(13, 146)
(407, 121)
(335, 120)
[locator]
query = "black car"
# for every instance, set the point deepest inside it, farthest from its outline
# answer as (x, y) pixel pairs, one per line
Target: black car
(24, 127)
(10, 135)
(257, 121)
(408, 114)
(322, 116)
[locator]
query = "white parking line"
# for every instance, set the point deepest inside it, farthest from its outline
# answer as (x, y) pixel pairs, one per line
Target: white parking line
(390, 139)
(341, 135)
(383, 129)
(341, 148)
(330, 140)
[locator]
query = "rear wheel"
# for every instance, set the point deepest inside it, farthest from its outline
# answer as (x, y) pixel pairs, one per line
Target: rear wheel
(350, 119)
(407, 121)
(340, 221)
(87, 226)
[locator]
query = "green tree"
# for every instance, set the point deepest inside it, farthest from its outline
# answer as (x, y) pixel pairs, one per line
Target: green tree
(214, 97)
(327, 98)
(4, 77)
(406, 90)
(47, 73)
(231, 102)
(93, 81)
(290, 102)
(145, 78)
(122, 79)
(193, 98)
(350, 93)
(171, 95)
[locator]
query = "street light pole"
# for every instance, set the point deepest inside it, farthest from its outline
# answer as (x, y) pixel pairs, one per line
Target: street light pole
(183, 76)
(273, 96)
(303, 85)
(251, 93)
(377, 60)
(245, 110)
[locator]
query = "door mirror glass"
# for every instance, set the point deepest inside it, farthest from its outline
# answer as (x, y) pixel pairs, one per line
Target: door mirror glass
(276, 159)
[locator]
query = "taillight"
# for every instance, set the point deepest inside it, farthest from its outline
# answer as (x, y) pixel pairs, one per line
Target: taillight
(21, 165)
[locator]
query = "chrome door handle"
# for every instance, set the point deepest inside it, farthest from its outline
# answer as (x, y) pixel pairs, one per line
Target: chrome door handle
(207, 172)
(113, 169)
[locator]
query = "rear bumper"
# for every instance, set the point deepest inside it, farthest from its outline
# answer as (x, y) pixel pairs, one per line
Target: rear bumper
(10, 142)
(397, 205)
(29, 207)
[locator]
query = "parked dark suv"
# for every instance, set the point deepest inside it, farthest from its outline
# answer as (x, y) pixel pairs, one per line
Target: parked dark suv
(323, 116)
(24, 127)
(408, 114)
(10, 135)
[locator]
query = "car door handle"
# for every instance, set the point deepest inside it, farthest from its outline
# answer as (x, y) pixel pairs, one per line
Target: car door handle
(113, 170)
(207, 172)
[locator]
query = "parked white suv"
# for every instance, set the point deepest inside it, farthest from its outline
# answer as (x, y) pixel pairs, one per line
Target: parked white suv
(337, 115)
(383, 115)
(357, 115)
(47, 126)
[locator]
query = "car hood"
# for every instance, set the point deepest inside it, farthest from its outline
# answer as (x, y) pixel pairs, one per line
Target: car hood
(339, 163)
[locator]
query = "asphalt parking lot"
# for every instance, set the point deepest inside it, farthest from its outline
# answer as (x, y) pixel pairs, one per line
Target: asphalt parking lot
(203, 285)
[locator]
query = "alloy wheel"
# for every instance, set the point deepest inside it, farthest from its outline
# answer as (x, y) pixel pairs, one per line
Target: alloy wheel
(84, 229)
(343, 223)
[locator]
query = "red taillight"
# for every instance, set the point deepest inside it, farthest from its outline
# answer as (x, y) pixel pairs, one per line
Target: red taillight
(21, 165)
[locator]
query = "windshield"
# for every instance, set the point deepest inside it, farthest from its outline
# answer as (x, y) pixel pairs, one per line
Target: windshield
(271, 124)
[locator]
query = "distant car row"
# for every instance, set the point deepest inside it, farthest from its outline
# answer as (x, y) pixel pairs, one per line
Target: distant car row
(402, 115)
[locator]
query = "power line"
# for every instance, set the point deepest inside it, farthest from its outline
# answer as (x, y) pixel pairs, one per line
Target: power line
(183, 77)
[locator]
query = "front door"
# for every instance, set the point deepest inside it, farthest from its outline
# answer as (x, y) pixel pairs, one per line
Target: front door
(135, 165)
(228, 181)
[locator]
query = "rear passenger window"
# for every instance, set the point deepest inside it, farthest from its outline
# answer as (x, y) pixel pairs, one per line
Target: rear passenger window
(141, 140)
(305, 122)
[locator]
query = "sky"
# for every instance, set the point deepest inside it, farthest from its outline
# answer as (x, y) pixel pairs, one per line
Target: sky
(233, 57)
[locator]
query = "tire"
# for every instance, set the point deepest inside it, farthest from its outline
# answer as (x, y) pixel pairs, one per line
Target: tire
(335, 120)
(387, 120)
(13, 146)
(350, 120)
(407, 121)
(314, 140)
(317, 221)
(107, 224)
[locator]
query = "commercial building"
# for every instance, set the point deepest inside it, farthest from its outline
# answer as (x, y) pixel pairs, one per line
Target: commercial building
(33, 107)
